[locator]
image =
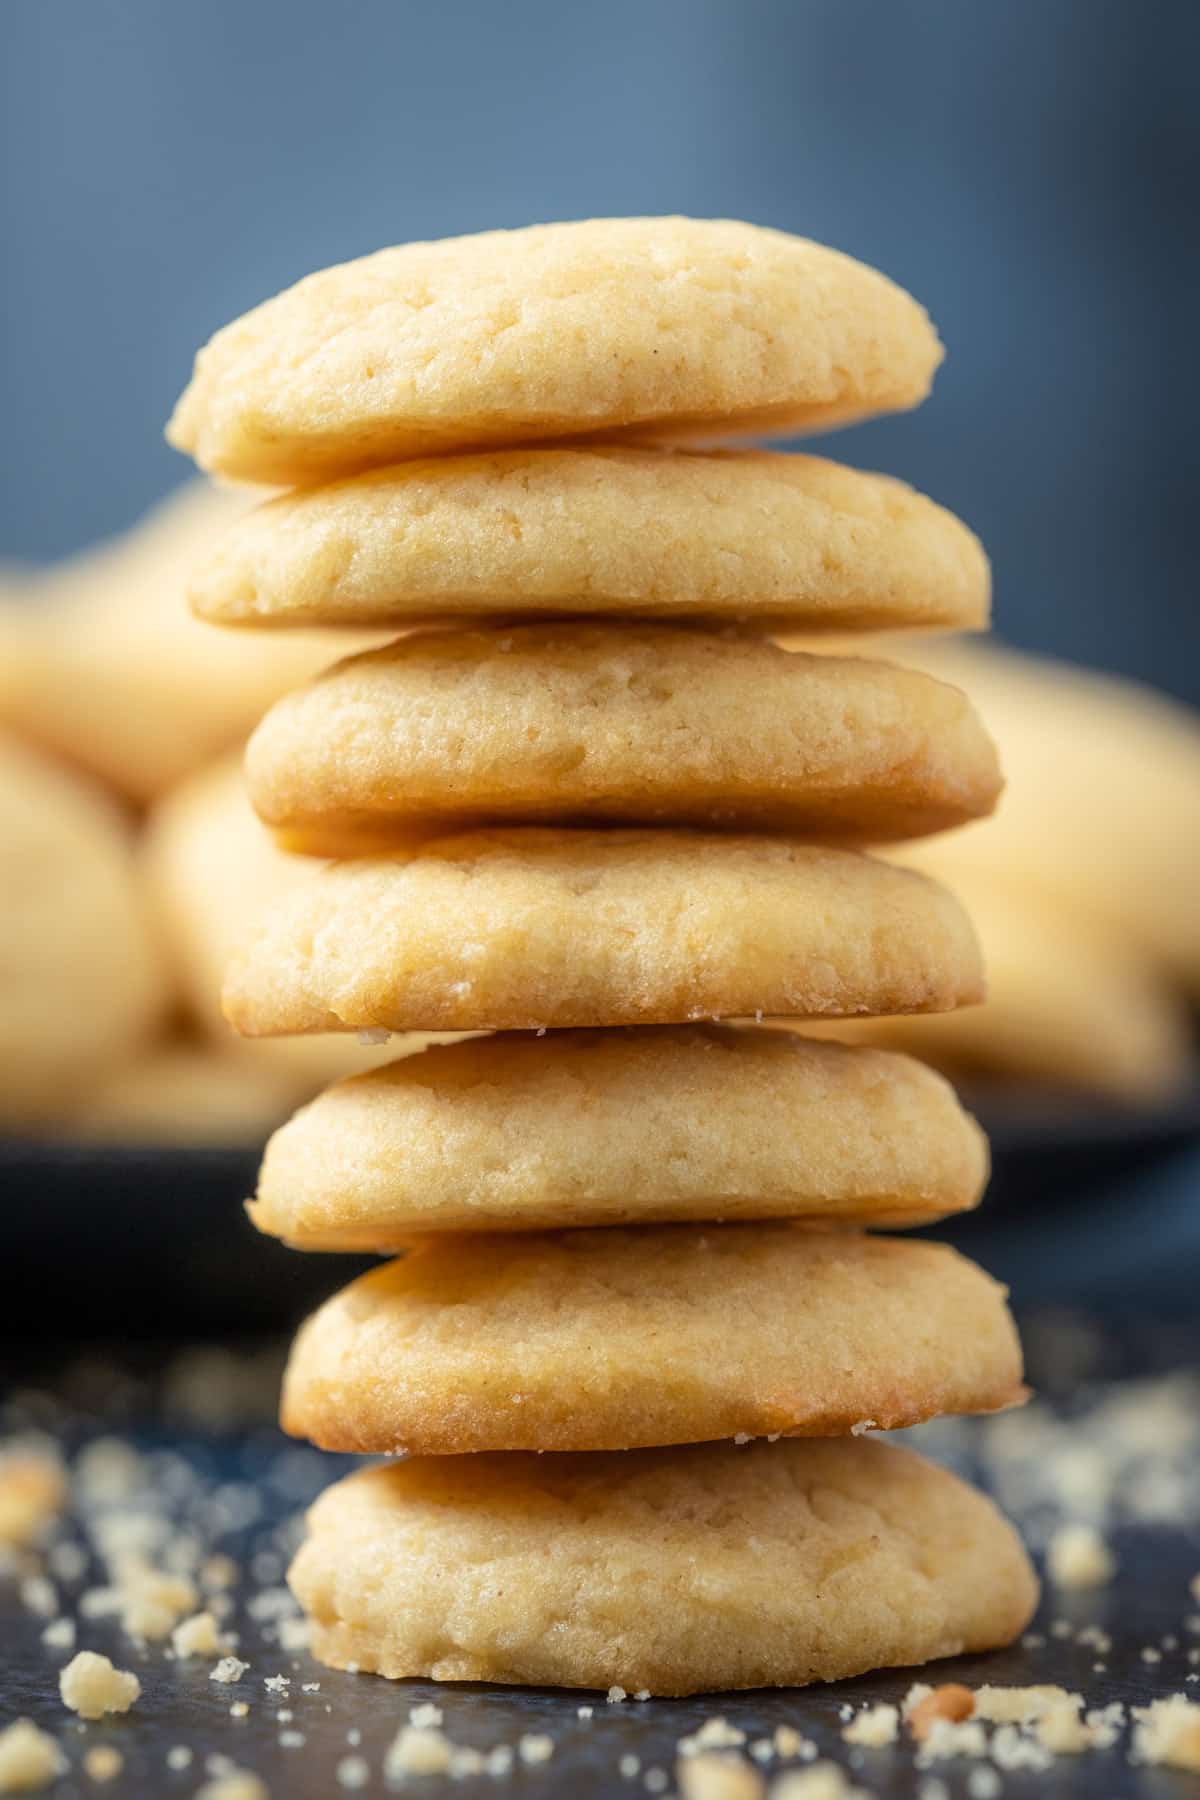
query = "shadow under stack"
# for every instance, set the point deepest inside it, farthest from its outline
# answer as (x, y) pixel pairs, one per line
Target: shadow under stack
(590, 809)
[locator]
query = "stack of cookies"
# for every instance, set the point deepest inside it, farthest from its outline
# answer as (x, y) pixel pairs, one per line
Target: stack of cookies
(591, 810)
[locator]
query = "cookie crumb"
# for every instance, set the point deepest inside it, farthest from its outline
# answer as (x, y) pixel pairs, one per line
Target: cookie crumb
(951, 1702)
(229, 1669)
(417, 1751)
(91, 1686)
(1167, 1732)
(711, 1777)
(103, 1763)
(198, 1636)
(875, 1727)
(33, 1490)
(1078, 1557)
(29, 1759)
(234, 1784)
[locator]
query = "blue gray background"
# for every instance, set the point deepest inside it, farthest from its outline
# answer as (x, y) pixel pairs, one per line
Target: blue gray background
(1027, 167)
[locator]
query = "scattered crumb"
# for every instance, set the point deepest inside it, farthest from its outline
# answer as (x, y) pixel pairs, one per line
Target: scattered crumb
(32, 1492)
(712, 1777)
(1078, 1557)
(179, 1756)
(629, 1765)
(947, 1738)
(535, 1747)
(860, 1427)
(426, 1716)
(60, 1634)
(235, 1784)
(874, 1728)
(91, 1686)
(1167, 1732)
(238, 1710)
(417, 1751)
(103, 1763)
(1017, 1705)
(584, 1712)
(229, 1669)
(153, 1603)
(198, 1636)
(294, 1634)
(1011, 1751)
(40, 1596)
(714, 1734)
(824, 1781)
(951, 1702)
(615, 1695)
(353, 1772)
(983, 1783)
(29, 1759)
(1151, 1655)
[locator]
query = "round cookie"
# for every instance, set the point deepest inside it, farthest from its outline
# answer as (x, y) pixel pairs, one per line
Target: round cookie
(665, 325)
(107, 668)
(672, 1334)
(1072, 1002)
(81, 983)
(210, 869)
(671, 1571)
(529, 928)
(520, 1132)
(751, 536)
(630, 724)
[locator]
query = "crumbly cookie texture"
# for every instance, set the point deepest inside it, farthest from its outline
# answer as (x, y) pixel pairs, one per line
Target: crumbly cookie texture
(819, 1560)
(529, 927)
(612, 1339)
(636, 724)
(769, 540)
(668, 326)
(520, 1132)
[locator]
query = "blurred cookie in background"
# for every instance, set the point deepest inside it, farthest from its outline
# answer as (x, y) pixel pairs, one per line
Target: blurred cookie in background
(212, 870)
(82, 982)
(1072, 1003)
(180, 1093)
(1102, 803)
(105, 666)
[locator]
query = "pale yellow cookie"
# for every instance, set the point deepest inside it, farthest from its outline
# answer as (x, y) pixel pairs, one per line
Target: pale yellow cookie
(529, 928)
(668, 326)
(1101, 807)
(181, 1093)
(106, 667)
(81, 982)
(670, 1334)
(1071, 1002)
(632, 724)
(735, 535)
(670, 1571)
(210, 869)
(520, 1132)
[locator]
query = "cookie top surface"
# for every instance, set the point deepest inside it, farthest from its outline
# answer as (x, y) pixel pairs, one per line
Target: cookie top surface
(754, 536)
(529, 928)
(520, 1132)
(662, 325)
(612, 1339)
(820, 1560)
(81, 981)
(629, 724)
